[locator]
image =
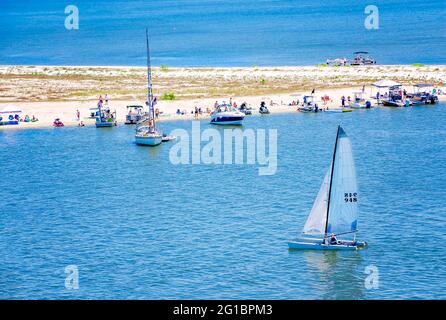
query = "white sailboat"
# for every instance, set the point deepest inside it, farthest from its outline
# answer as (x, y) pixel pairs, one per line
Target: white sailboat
(146, 133)
(332, 223)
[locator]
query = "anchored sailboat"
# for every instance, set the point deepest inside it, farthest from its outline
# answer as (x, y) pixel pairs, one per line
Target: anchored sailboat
(146, 133)
(335, 211)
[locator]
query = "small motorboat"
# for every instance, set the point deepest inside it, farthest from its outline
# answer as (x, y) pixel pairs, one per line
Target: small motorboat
(263, 108)
(57, 123)
(333, 221)
(359, 102)
(395, 103)
(104, 118)
(167, 138)
(11, 115)
(338, 62)
(423, 94)
(362, 58)
(225, 114)
(135, 114)
(396, 98)
(308, 105)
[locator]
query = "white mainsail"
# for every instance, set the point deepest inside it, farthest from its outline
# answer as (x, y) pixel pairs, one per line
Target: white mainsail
(316, 221)
(343, 211)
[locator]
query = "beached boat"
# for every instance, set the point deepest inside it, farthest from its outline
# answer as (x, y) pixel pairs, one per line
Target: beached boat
(308, 105)
(135, 113)
(146, 133)
(333, 220)
(337, 62)
(9, 115)
(359, 102)
(423, 94)
(383, 85)
(104, 118)
(396, 103)
(396, 97)
(362, 58)
(225, 114)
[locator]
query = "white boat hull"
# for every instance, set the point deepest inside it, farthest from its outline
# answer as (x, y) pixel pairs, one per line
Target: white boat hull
(228, 118)
(228, 123)
(151, 140)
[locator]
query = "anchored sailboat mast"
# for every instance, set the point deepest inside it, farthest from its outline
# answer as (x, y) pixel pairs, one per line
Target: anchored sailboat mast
(331, 179)
(149, 82)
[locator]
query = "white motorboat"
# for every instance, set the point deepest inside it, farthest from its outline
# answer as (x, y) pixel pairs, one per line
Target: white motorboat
(359, 102)
(225, 114)
(308, 105)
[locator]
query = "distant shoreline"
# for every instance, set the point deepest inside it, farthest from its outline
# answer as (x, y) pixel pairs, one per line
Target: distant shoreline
(285, 66)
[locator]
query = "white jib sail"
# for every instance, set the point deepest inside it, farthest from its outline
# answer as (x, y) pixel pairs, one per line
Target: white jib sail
(316, 221)
(343, 213)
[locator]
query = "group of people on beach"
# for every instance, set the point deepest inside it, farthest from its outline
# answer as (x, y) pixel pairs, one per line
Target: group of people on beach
(26, 119)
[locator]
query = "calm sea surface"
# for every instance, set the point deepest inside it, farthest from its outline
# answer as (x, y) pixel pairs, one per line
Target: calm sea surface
(139, 227)
(221, 32)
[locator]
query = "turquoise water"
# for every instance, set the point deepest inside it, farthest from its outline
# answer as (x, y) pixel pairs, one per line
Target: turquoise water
(138, 227)
(220, 32)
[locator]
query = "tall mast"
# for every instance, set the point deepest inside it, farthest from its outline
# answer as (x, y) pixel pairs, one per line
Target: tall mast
(149, 82)
(331, 178)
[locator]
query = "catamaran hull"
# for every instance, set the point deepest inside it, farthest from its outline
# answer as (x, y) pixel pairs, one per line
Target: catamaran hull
(310, 244)
(149, 141)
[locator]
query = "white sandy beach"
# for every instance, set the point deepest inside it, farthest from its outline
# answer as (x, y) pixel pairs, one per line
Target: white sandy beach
(58, 92)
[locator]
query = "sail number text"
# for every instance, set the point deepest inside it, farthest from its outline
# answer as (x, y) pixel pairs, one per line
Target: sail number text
(351, 197)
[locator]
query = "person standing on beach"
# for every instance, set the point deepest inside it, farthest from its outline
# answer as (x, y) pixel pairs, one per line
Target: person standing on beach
(78, 115)
(106, 99)
(343, 101)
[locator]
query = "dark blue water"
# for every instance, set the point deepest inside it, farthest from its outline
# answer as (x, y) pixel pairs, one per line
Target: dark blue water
(139, 227)
(221, 33)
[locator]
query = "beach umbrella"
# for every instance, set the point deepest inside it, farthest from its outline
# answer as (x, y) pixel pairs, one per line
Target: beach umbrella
(385, 84)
